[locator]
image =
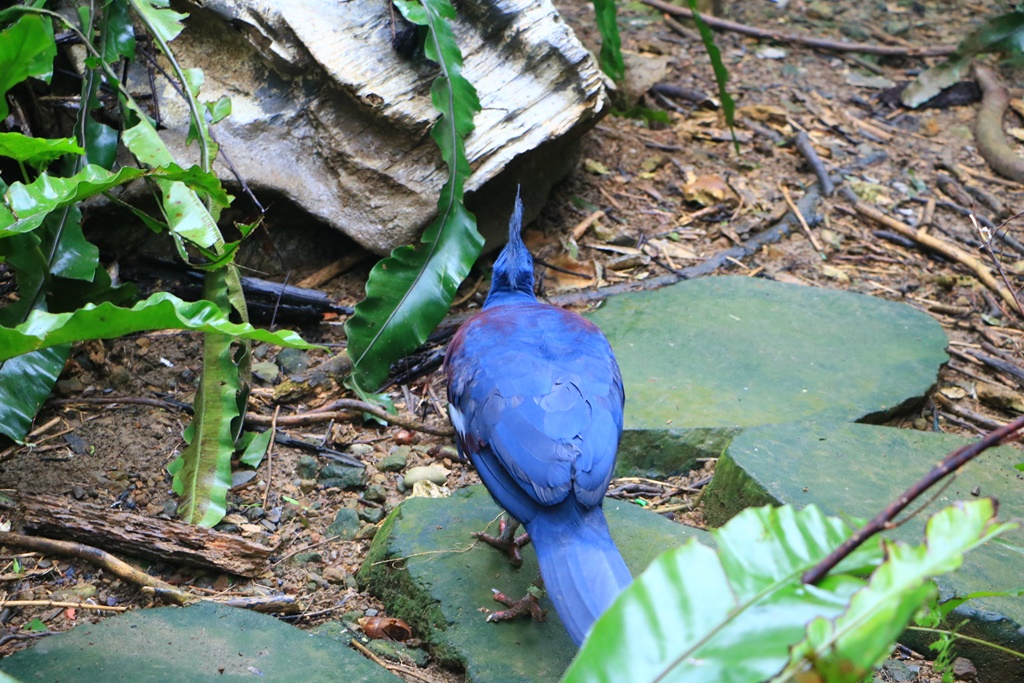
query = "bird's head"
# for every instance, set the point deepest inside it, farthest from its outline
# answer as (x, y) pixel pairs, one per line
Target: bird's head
(512, 277)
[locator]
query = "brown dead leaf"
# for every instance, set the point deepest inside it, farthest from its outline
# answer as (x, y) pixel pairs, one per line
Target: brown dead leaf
(673, 250)
(580, 273)
(707, 190)
(385, 627)
(762, 113)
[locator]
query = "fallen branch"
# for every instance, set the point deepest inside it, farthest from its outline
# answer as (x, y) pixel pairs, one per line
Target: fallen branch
(804, 145)
(807, 41)
(99, 558)
(62, 604)
(943, 247)
(988, 126)
(884, 519)
(138, 535)
(343, 409)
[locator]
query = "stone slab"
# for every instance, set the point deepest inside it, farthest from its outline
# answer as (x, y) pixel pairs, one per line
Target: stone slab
(706, 358)
(424, 567)
(855, 470)
(202, 642)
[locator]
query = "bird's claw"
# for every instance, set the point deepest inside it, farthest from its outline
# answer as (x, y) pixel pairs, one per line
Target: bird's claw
(507, 542)
(528, 605)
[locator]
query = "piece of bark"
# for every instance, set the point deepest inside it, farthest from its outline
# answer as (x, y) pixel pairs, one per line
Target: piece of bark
(137, 535)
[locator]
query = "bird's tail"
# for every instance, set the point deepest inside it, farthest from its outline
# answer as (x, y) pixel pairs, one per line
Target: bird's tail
(582, 568)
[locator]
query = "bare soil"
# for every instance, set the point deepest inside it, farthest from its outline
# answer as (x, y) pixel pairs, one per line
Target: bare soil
(672, 194)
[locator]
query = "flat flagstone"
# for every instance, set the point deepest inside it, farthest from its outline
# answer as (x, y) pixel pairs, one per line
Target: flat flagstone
(705, 359)
(855, 470)
(202, 642)
(426, 569)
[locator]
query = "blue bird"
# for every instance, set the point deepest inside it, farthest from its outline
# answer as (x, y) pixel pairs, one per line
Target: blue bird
(535, 396)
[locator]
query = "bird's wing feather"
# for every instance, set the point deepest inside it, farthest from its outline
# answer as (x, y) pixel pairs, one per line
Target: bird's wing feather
(539, 400)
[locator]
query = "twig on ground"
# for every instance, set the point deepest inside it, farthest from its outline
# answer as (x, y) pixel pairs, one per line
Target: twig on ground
(804, 145)
(100, 558)
(123, 400)
(342, 409)
(986, 243)
(57, 603)
(270, 455)
(807, 41)
(951, 463)
(803, 222)
(947, 249)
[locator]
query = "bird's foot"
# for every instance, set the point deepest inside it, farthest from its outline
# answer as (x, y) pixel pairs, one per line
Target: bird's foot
(527, 606)
(506, 541)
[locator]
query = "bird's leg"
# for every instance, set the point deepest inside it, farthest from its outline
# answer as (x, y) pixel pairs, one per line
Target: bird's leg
(528, 605)
(506, 540)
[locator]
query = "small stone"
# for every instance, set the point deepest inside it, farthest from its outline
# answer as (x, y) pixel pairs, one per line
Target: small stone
(78, 492)
(376, 493)
(268, 525)
(306, 467)
(335, 574)
(359, 449)
(292, 361)
(343, 476)
(396, 460)
(274, 515)
(253, 514)
(964, 669)
(435, 474)
(307, 485)
(170, 509)
(366, 533)
(304, 558)
(242, 477)
(66, 387)
(345, 525)
(371, 515)
(84, 590)
(119, 376)
(222, 583)
(266, 372)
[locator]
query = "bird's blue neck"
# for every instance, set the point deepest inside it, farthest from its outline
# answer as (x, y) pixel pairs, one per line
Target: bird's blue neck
(512, 277)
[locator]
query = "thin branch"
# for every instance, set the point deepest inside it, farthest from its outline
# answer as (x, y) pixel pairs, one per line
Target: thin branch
(807, 41)
(951, 463)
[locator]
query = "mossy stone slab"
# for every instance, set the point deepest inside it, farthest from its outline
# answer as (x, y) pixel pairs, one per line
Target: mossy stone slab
(704, 359)
(425, 568)
(855, 470)
(195, 644)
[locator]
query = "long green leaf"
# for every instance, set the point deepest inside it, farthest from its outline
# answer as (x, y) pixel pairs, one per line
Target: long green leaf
(610, 56)
(25, 382)
(202, 473)
(38, 152)
(25, 206)
(702, 615)
(161, 311)
(846, 649)
(408, 293)
(26, 50)
(721, 73)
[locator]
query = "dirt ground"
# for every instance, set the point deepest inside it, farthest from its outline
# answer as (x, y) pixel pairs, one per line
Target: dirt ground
(672, 195)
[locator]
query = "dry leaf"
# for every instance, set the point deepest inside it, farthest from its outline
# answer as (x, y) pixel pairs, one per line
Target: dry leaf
(707, 190)
(953, 392)
(595, 167)
(762, 113)
(581, 273)
(835, 274)
(385, 627)
(673, 250)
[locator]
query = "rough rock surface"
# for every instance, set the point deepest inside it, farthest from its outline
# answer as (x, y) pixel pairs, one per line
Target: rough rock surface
(326, 114)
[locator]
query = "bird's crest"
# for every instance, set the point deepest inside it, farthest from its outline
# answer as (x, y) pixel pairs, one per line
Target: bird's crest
(512, 277)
